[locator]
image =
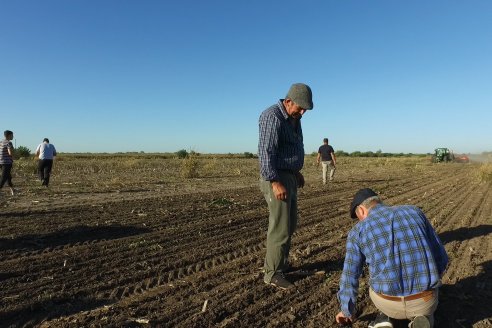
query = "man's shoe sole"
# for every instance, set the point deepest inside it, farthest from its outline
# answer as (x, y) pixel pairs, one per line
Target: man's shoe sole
(420, 322)
(382, 325)
(279, 287)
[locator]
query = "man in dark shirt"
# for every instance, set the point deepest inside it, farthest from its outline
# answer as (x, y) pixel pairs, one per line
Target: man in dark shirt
(281, 155)
(326, 155)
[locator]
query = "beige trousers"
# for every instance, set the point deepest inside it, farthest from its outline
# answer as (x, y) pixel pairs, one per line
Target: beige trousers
(406, 309)
(324, 165)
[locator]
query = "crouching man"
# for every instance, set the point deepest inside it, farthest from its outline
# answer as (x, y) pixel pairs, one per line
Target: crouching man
(406, 261)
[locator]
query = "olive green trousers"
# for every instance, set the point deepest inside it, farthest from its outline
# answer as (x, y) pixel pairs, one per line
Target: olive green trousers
(282, 223)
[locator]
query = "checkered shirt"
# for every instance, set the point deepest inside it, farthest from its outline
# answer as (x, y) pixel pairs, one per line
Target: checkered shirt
(402, 250)
(280, 145)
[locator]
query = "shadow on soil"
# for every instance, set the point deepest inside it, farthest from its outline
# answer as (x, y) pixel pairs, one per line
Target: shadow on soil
(74, 235)
(467, 302)
(309, 269)
(37, 312)
(462, 234)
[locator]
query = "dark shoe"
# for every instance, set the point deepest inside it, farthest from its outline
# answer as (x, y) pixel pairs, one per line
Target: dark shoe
(382, 321)
(288, 269)
(279, 281)
(420, 321)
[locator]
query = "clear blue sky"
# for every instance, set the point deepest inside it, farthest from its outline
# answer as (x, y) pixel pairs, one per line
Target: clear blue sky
(160, 76)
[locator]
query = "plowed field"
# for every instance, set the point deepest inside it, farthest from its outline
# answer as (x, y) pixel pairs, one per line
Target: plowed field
(162, 252)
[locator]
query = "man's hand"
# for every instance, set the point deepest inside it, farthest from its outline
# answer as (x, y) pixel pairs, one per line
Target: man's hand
(342, 319)
(279, 190)
(300, 179)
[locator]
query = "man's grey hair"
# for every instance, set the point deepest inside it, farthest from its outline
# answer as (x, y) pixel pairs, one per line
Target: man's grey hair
(366, 203)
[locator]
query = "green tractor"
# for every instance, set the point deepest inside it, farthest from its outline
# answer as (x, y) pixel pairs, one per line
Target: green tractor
(442, 155)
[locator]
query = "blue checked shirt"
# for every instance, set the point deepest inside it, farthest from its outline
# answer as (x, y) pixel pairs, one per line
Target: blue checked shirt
(280, 146)
(402, 250)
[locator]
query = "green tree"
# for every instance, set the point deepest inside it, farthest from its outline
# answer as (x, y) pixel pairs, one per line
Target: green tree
(340, 153)
(22, 151)
(183, 153)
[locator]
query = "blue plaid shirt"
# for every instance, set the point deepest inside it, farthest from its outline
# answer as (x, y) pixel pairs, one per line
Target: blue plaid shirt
(280, 146)
(402, 250)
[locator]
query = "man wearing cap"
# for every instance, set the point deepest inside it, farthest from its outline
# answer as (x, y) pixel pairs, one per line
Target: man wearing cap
(406, 261)
(281, 155)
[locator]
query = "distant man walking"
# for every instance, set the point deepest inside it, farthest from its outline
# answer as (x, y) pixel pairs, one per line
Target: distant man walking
(326, 155)
(46, 153)
(406, 261)
(281, 155)
(6, 160)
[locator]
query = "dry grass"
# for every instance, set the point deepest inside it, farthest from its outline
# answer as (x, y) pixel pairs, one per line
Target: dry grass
(189, 167)
(85, 173)
(105, 173)
(485, 172)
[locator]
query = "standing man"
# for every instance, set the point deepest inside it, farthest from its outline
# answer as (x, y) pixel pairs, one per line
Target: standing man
(6, 160)
(406, 261)
(326, 155)
(281, 155)
(46, 153)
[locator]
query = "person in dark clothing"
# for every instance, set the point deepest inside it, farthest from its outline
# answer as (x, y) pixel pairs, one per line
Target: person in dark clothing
(281, 155)
(326, 155)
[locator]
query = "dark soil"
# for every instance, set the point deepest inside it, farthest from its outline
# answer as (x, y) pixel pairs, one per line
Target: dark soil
(193, 258)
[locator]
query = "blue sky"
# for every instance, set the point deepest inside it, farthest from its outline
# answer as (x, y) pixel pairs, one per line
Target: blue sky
(160, 76)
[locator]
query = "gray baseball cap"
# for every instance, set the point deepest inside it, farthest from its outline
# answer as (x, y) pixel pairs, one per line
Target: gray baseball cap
(301, 94)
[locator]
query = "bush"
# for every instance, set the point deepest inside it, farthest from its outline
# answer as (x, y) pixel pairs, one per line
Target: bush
(249, 155)
(340, 153)
(189, 167)
(22, 151)
(182, 153)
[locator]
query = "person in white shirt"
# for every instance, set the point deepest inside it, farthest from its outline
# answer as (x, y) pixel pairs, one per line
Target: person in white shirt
(46, 153)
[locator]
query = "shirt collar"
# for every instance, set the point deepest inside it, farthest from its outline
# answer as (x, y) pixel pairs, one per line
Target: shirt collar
(282, 109)
(373, 209)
